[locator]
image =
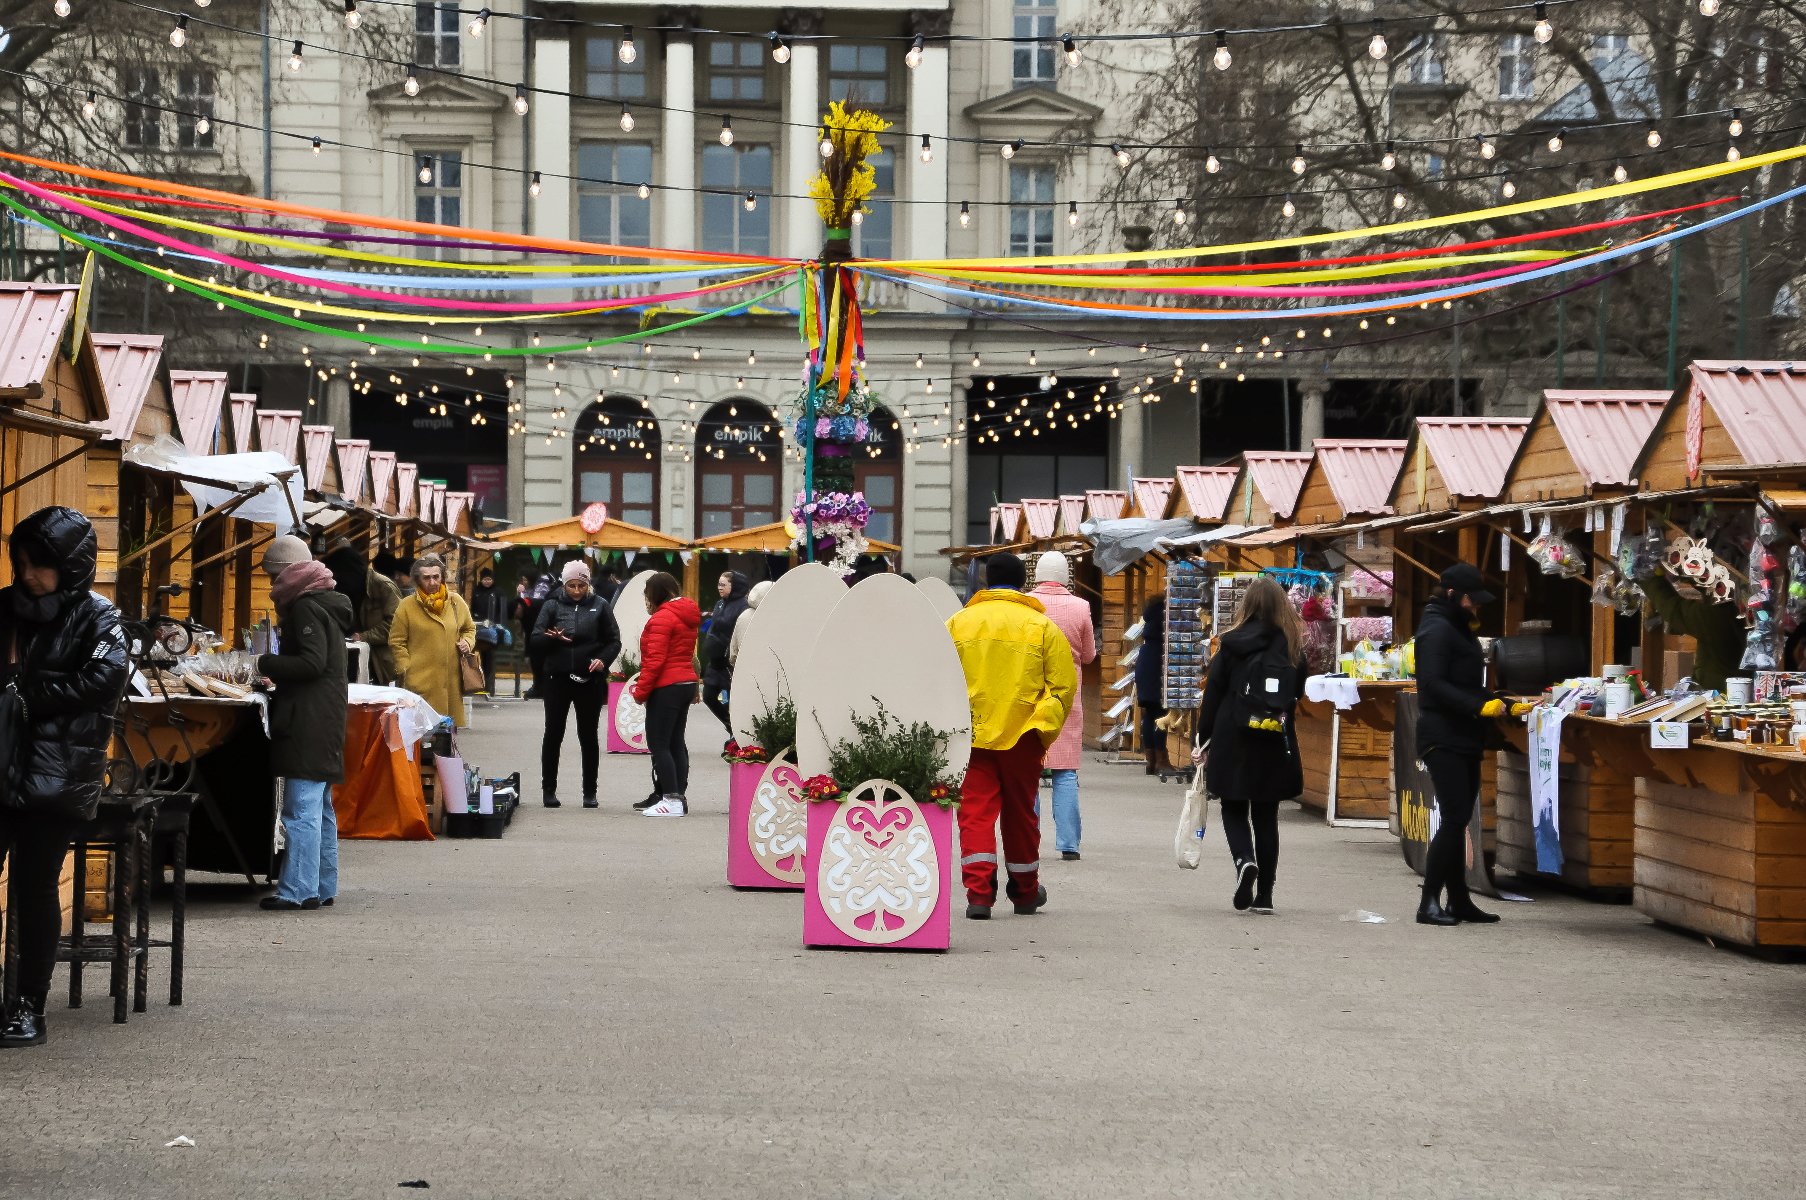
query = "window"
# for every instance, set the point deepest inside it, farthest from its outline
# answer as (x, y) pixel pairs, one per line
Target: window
(143, 119)
(859, 73)
(613, 212)
(1606, 47)
(440, 200)
(1032, 60)
(872, 237)
(1425, 62)
(604, 74)
(739, 454)
(436, 34)
(194, 101)
(878, 472)
(737, 71)
(616, 462)
(1516, 68)
(1031, 210)
(728, 174)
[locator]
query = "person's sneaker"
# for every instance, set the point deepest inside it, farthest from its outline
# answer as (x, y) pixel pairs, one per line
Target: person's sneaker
(1069, 856)
(531, 693)
(1244, 886)
(668, 806)
(327, 903)
(978, 912)
(24, 1026)
(590, 801)
(552, 801)
(1029, 909)
(648, 802)
(1263, 905)
(278, 904)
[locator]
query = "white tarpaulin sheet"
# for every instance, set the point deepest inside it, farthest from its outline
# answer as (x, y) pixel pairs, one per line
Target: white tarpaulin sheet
(215, 479)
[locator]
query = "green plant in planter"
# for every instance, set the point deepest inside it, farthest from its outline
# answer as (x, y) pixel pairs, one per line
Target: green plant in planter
(913, 756)
(775, 728)
(630, 666)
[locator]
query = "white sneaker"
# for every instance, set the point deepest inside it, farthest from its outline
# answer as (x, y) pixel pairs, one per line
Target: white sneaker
(669, 806)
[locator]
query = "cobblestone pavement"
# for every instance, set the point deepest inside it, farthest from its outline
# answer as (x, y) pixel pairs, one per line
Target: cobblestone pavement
(584, 1008)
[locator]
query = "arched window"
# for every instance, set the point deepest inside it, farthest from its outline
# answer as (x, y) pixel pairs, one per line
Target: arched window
(878, 472)
(739, 468)
(615, 460)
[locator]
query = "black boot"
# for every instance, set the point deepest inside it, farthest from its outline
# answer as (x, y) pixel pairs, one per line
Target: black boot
(1028, 908)
(552, 800)
(1463, 909)
(1431, 912)
(25, 1025)
(590, 800)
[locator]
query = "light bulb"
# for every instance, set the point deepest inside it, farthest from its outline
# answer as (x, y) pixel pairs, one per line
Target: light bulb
(1508, 189)
(976, 362)
(533, 187)
(627, 121)
(426, 169)
(1034, 359)
(826, 146)
(1288, 208)
(1736, 122)
(411, 85)
(316, 144)
(1398, 200)
(1543, 30)
(478, 23)
(1376, 45)
(295, 61)
(1708, 8)
(726, 136)
(61, 8)
(1653, 138)
(751, 202)
(1389, 160)
(927, 149)
(780, 50)
(965, 214)
(1733, 154)
(627, 53)
(178, 37)
(1122, 156)
(752, 358)
(202, 126)
(1619, 174)
(1180, 215)
(353, 18)
(88, 106)
(913, 59)
(1073, 57)
(1556, 142)
(1298, 159)
(1212, 163)
(520, 100)
(1009, 149)
(1222, 58)
(859, 216)
(1487, 149)
(1072, 213)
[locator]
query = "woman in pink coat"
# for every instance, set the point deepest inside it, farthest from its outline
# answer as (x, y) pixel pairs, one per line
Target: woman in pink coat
(1073, 616)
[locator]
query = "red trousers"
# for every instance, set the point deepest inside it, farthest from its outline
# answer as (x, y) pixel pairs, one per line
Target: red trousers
(1001, 783)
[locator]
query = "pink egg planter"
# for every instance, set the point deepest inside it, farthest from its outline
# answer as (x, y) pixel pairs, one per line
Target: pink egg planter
(626, 719)
(766, 825)
(879, 871)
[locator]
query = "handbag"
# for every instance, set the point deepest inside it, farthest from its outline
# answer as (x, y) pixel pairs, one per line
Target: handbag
(15, 720)
(1194, 816)
(489, 634)
(470, 671)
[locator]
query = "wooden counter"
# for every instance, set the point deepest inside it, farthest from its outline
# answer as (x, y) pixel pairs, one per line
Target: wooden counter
(1600, 762)
(1347, 756)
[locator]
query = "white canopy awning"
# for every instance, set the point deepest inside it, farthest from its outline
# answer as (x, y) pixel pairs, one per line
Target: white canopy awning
(265, 486)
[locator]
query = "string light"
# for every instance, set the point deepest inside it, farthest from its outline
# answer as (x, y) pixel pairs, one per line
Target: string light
(859, 216)
(1556, 142)
(726, 136)
(61, 7)
(1508, 189)
(1389, 160)
(1543, 29)
(751, 202)
(1121, 155)
(1732, 154)
(1008, 150)
(1212, 164)
(295, 62)
(178, 37)
(1399, 200)
(1298, 159)
(1619, 174)
(1180, 215)
(478, 23)
(1736, 129)
(1653, 138)
(411, 85)
(1072, 213)
(353, 18)
(1222, 58)
(1073, 57)
(1708, 8)
(533, 188)
(965, 214)
(520, 100)
(780, 50)
(88, 106)
(203, 126)
(1487, 148)
(627, 121)
(627, 53)
(1288, 208)
(645, 193)
(1376, 45)
(425, 174)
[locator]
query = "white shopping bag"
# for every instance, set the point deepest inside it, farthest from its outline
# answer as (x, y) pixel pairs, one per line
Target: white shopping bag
(1188, 840)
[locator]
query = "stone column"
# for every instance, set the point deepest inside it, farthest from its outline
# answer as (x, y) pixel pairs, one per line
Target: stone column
(550, 214)
(1310, 410)
(677, 203)
(335, 405)
(927, 182)
(802, 229)
(960, 484)
(1131, 423)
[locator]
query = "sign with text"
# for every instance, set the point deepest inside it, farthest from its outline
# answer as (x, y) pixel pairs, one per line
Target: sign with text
(1670, 735)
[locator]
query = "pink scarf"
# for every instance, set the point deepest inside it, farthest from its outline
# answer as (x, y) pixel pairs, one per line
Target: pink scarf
(298, 580)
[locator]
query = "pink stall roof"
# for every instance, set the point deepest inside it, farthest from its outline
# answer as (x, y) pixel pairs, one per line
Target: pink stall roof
(1151, 495)
(1604, 431)
(32, 320)
(457, 511)
(1279, 476)
(1009, 517)
(1104, 505)
(197, 397)
(438, 499)
(316, 440)
(1072, 513)
(279, 431)
(996, 522)
(244, 420)
(1361, 472)
(354, 467)
(407, 500)
(1472, 454)
(1042, 516)
(382, 481)
(1207, 490)
(1762, 406)
(128, 371)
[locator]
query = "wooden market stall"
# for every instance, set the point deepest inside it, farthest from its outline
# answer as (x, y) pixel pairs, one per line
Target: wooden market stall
(130, 506)
(771, 540)
(1265, 494)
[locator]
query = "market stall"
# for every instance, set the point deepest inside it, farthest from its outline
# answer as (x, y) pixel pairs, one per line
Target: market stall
(724, 551)
(1265, 494)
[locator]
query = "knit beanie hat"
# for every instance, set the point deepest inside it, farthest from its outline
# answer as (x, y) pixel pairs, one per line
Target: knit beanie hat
(1051, 568)
(575, 569)
(285, 551)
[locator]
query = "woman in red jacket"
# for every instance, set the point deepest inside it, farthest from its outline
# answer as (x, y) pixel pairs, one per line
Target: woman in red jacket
(667, 687)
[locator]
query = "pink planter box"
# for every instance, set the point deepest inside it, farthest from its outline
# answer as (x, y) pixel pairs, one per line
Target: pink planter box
(765, 825)
(626, 720)
(880, 872)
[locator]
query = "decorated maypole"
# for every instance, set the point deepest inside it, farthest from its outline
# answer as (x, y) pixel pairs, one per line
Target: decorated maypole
(834, 408)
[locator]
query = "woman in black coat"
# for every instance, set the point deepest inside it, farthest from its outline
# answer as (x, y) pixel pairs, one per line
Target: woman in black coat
(717, 672)
(62, 647)
(1250, 771)
(1150, 682)
(577, 638)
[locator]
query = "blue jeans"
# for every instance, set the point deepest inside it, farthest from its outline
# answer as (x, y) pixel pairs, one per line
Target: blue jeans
(310, 867)
(1066, 810)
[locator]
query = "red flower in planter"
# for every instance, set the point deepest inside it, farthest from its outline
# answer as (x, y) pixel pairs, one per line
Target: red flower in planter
(731, 752)
(753, 753)
(821, 787)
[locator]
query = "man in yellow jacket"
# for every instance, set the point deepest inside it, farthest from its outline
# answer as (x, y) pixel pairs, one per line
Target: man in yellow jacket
(1020, 680)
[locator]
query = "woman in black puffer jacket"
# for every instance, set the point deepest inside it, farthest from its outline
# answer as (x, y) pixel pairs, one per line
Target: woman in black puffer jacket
(717, 672)
(578, 639)
(62, 647)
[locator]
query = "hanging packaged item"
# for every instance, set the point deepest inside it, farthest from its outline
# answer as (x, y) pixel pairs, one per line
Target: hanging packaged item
(1794, 611)
(1188, 586)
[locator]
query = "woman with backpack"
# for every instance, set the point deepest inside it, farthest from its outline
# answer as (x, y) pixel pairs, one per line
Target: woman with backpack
(1249, 702)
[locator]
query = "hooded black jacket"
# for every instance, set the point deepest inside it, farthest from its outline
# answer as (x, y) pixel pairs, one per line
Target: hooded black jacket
(1451, 682)
(594, 635)
(716, 669)
(308, 709)
(1244, 765)
(73, 668)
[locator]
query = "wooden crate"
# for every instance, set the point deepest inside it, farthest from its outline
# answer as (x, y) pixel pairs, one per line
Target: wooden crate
(1595, 809)
(1729, 862)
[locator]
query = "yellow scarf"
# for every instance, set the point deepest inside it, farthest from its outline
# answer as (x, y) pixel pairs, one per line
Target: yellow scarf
(435, 601)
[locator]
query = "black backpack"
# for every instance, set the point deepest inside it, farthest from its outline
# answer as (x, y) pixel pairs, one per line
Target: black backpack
(1265, 691)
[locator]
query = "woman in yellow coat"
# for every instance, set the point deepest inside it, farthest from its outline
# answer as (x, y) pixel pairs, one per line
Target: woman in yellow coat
(429, 630)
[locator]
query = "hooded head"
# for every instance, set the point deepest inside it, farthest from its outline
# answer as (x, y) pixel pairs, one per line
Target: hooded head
(757, 593)
(1052, 568)
(1005, 570)
(350, 577)
(737, 585)
(285, 552)
(56, 539)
